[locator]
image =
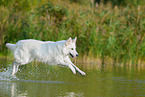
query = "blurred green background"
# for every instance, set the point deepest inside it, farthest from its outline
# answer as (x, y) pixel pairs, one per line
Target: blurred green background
(108, 30)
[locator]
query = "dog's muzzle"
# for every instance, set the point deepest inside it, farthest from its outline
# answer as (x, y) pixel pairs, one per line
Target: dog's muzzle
(73, 56)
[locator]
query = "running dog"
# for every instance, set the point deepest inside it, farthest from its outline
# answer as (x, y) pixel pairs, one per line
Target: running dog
(49, 52)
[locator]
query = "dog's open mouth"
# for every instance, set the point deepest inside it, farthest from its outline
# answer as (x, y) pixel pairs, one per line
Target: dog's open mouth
(71, 55)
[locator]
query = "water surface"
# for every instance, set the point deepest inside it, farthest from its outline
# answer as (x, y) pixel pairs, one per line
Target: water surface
(42, 80)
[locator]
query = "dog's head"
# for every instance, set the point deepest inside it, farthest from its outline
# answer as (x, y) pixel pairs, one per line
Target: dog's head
(70, 47)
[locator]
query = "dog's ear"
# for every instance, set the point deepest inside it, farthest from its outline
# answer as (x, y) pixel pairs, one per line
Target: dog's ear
(68, 41)
(74, 40)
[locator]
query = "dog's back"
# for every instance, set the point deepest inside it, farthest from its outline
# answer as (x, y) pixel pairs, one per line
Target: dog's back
(27, 50)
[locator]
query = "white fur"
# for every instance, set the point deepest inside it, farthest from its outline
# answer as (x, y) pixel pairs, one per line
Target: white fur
(49, 52)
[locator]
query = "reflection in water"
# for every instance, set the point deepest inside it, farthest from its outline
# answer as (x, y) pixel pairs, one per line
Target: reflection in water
(25, 88)
(11, 89)
(41, 80)
(72, 94)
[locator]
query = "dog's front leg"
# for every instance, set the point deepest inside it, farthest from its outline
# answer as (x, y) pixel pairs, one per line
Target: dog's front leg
(80, 71)
(70, 66)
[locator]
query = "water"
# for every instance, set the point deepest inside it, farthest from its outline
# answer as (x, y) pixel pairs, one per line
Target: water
(41, 80)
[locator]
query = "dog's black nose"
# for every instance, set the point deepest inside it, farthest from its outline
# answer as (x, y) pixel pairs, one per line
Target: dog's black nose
(77, 55)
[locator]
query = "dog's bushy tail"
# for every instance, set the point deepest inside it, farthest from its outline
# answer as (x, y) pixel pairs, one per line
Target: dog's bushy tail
(11, 46)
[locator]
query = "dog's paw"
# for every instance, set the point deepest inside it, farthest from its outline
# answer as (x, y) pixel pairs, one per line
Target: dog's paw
(74, 71)
(83, 73)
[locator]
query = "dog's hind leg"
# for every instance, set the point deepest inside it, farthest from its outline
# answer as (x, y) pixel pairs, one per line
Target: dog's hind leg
(17, 68)
(14, 68)
(22, 57)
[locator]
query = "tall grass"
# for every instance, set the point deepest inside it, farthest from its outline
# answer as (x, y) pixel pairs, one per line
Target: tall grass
(105, 33)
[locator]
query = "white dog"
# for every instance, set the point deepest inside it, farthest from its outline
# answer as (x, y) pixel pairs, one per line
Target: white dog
(49, 52)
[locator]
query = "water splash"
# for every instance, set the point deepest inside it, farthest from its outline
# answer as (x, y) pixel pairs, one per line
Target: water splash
(7, 75)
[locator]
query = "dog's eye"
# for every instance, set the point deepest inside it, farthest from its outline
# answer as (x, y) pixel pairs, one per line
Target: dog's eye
(72, 48)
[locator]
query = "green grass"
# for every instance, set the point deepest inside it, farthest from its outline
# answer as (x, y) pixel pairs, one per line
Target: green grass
(105, 32)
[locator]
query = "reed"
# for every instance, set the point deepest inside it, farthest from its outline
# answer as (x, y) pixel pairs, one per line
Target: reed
(104, 33)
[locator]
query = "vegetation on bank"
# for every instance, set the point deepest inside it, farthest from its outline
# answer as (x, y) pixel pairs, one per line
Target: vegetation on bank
(106, 32)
